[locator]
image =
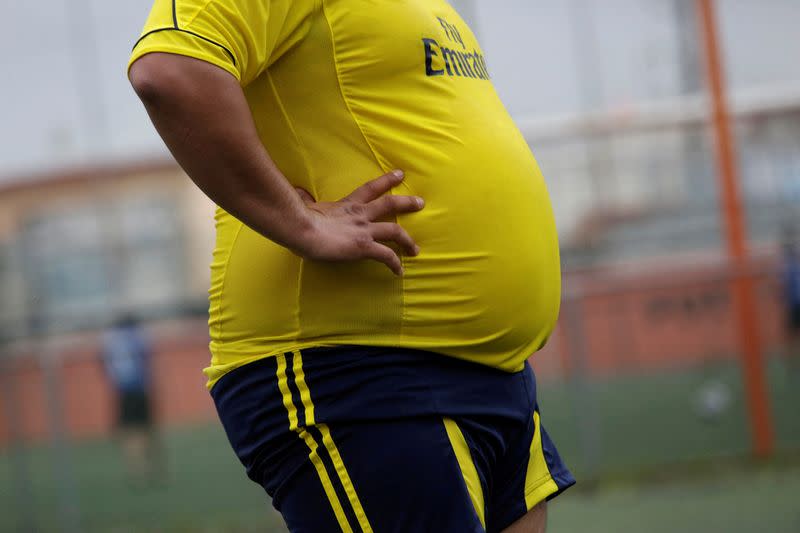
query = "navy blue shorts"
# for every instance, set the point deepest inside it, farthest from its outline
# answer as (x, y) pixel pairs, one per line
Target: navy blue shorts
(389, 439)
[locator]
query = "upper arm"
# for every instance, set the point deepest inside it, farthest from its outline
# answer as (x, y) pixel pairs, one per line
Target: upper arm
(243, 37)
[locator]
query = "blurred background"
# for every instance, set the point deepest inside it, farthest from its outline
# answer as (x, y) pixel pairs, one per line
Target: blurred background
(672, 384)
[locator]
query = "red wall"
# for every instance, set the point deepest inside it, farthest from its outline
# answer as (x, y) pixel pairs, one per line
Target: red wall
(628, 323)
(655, 320)
(86, 400)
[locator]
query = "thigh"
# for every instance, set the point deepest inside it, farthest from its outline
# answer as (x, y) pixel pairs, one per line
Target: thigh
(529, 473)
(393, 476)
(534, 521)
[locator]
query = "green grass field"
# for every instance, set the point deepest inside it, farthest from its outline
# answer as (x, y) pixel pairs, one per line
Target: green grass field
(659, 468)
(643, 421)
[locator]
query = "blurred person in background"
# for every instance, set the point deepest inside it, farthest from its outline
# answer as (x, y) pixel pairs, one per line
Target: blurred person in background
(360, 397)
(790, 272)
(126, 358)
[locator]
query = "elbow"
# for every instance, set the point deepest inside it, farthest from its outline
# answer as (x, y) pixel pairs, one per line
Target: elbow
(148, 79)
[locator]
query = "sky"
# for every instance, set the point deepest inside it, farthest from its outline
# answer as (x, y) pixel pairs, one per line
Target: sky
(65, 101)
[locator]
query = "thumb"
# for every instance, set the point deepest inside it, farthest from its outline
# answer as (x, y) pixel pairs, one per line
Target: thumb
(305, 195)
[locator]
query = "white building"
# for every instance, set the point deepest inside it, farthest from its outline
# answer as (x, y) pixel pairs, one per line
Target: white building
(608, 92)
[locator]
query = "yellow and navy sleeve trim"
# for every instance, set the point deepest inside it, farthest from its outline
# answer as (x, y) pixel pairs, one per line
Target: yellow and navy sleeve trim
(302, 422)
(176, 28)
(171, 37)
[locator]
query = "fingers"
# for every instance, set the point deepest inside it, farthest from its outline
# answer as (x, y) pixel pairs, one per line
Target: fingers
(375, 188)
(389, 232)
(371, 202)
(383, 254)
(390, 205)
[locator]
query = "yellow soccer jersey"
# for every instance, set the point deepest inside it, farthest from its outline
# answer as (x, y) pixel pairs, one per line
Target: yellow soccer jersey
(343, 91)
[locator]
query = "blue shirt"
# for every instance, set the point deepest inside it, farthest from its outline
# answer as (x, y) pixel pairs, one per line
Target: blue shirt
(791, 279)
(127, 356)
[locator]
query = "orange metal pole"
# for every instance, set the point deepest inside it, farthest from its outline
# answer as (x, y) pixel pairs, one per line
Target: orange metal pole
(736, 238)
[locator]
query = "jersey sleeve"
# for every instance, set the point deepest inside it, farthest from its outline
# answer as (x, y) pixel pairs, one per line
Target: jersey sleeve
(243, 37)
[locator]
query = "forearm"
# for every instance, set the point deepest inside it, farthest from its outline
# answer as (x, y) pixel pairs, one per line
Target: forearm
(202, 115)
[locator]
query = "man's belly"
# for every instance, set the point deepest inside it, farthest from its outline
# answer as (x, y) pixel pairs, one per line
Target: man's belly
(486, 286)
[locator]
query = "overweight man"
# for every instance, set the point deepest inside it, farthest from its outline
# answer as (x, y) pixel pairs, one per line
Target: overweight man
(386, 258)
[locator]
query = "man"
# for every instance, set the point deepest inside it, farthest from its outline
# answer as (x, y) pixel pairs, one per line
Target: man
(790, 272)
(126, 358)
(361, 398)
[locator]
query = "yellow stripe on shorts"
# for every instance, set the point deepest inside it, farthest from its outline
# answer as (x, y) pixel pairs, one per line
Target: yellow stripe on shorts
(327, 440)
(283, 386)
(539, 483)
(327, 485)
(344, 477)
(305, 394)
(467, 466)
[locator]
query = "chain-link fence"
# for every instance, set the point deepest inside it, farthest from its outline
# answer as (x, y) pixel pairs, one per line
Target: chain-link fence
(643, 374)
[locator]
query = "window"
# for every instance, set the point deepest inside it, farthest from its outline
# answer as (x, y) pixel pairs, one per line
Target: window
(85, 265)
